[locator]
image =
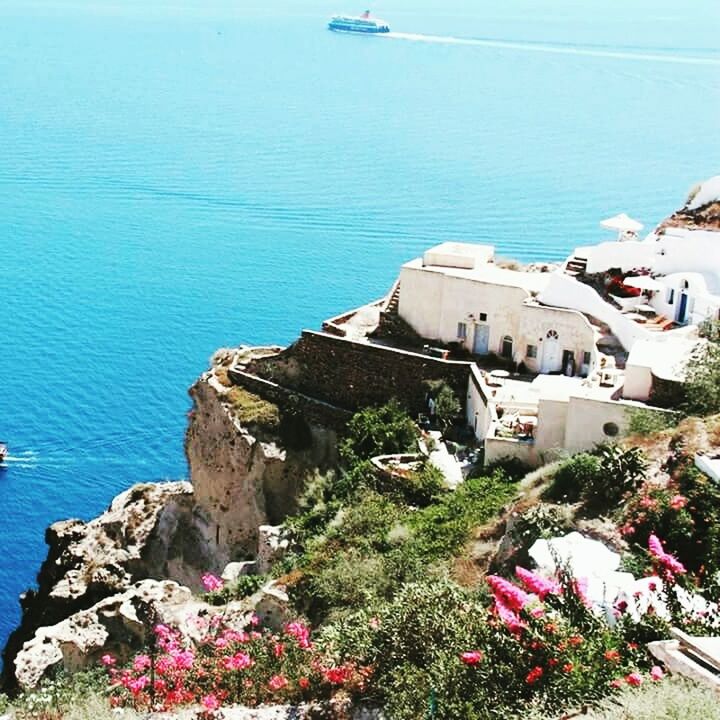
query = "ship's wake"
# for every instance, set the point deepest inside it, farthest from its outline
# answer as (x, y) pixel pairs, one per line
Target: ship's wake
(558, 49)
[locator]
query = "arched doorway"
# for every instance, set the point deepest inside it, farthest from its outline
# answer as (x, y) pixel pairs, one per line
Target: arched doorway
(551, 353)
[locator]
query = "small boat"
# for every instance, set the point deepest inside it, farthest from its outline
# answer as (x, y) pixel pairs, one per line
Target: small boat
(361, 24)
(3, 451)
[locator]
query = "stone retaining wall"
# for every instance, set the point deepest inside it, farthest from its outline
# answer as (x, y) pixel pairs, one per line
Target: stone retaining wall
(314, 411)
(354, 374)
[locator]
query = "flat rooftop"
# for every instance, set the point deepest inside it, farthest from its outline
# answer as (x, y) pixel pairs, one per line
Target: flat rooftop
(488, 273)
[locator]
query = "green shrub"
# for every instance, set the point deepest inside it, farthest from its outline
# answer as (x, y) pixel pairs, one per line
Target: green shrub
(383, 430)
(241, 588)
(621, 472)
(441, 529)
(672, 699)
(573, 476)
(649, 422)
(685, 514)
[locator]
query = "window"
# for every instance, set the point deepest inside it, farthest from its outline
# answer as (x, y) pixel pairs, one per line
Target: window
(531, 351)
(483, 317)
(461, 331)
(507, 347)
(552, 335)
(670, 296)
(611, 429)
(587, 357)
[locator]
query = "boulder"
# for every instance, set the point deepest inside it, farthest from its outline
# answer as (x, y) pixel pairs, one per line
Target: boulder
(273, 543)
(234, 570)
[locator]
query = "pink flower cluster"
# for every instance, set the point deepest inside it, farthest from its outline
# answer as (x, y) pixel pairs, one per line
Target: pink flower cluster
(229, 665)
(211, 582)
(537, 584)
(668, 563)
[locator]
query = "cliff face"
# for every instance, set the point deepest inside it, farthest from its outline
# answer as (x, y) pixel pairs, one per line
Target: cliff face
(244, 477)
(147, 532)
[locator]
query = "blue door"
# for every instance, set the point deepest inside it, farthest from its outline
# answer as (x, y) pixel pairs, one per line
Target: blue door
(482, 337)
(683, 308)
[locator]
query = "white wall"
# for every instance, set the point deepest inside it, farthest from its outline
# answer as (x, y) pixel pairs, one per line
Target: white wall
(586, 418)
(504, 448)
(564, 291)
(550, 432)
(574, 331)
(477, 411)
(627, 255)
(638, 382)
(434, 303)
(688, 251)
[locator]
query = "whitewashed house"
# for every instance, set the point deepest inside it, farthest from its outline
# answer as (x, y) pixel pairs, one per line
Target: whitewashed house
(456, 293)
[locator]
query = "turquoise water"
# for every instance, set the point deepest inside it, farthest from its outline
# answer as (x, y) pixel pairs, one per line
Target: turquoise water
(178, 176)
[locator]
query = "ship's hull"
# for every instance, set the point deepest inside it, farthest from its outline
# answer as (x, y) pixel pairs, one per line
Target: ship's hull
(342, 27)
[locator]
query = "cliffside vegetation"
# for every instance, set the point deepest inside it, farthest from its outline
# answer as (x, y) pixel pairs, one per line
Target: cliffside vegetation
(394, 605)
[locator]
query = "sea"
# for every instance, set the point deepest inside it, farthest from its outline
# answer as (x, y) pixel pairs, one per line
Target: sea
(181, 175)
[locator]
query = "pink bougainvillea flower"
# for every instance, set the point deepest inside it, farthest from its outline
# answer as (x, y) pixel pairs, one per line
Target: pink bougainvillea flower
(279, 650)
(655, 546)
(137, 685)
(656, 673)
(211, 582)
(304, 683)
(648, 503)
(534, 675)
(238, 661)
(108, 660)
(184, 660)
(616, 683)
(634, 679)
(567, 667)
(277, 682)
(254, 620)
(669, 562)
(509, 618)
(537, 583)
(678, 502)
(580, 588)
(140, 663)
(210, 702)
(510, 595)
(472, 657)
(612, 656)
(673, 565)
(300, 632)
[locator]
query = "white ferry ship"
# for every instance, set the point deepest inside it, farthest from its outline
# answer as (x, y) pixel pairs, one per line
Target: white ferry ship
(361, 24)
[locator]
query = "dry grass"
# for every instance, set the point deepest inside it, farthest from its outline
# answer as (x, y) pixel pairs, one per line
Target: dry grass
(251, 409)
(674, 699)
(221, 374)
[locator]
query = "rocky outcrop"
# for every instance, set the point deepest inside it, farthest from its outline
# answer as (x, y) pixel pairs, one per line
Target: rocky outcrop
(117, 625)
(149, 531)
(245, 476)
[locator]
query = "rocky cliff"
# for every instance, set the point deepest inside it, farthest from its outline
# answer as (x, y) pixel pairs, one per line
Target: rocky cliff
(249, 459)
(247, 469)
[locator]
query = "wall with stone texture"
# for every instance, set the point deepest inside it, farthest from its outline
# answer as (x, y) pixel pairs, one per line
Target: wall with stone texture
(353, 375)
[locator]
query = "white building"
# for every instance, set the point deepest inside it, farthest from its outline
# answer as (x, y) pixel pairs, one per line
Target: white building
(563, 326)
(456, 293)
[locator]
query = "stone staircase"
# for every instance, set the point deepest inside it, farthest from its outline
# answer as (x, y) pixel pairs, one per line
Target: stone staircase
(393, 302)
